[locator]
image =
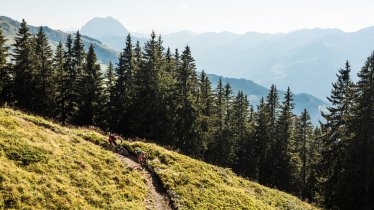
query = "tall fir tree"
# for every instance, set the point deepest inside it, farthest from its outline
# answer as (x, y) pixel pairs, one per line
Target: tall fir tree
(24, 68)
(187, 128)
(304, 138)
(357, 188)
(61, 79)
(284, 144)
(336, 136)
(148, 91)
(263, 143)
(123, 89)
(44, 76)
(109, 83)
(272, 109)
(71, 93)
(5, 83)
(90, 87)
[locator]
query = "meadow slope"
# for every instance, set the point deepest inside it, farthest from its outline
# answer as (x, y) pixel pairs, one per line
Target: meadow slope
(45, 165)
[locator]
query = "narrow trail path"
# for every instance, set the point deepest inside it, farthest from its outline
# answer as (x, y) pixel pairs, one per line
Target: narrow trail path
(156, 198)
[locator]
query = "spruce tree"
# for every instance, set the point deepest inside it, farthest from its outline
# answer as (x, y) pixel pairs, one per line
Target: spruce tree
(242, 145)
(272, 108)
(61, 79)
(108, 108)
(335, 137)
(187, 129)
(44, 103)
(357, 187)
(148, 101)
(5, 83)
(304, 138)
(78, 53)
(283, 148)
(90, 87)
(24, 68)
(123, 89)
(71, 94)
(263, 143)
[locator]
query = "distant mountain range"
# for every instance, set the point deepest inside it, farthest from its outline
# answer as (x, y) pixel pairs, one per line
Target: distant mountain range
(10, 28)
(307, 60)
(255, 91)
(106, 54)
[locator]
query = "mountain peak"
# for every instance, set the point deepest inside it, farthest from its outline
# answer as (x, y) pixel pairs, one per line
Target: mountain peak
(99, 27)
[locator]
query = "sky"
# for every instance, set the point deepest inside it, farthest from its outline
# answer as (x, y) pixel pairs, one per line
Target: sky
(165, 16)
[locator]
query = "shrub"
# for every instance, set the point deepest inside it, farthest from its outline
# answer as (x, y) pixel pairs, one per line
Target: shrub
(25, 154)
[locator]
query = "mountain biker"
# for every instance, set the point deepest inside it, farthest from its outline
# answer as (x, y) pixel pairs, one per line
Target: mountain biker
(138, 152)
(112, 139)
(140, 155)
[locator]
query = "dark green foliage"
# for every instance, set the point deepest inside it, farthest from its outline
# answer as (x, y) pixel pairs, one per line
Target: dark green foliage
(335, 137)
(71, 81)
(44, 76)
(5, 83)
(123, 89)
(187, 127)
(24, 68)
(61, 79)
(90, 88)
(303, 144)
(25, 154)
(357, 189)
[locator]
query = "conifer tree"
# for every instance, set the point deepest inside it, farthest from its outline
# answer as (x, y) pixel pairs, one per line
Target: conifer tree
(108, 108)
(5, 83)
(263, 143)
(335, 137)
(187, 111)
(90, 87)
(24, 68)
(78, 53)
(283, 148)
(272, 107)
(149, 102)
(61, 79)
(44, 76)
(220, 100)
(220, 148)
(357, 187)
(71, 94)
(304, 138)
(123, 88)
(242, 145)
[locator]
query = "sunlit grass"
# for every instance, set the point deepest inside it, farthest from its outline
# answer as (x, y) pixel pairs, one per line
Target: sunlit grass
(46, 166)
(193, 184)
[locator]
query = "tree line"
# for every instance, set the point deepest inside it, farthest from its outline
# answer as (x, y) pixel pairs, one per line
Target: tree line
(157, 94)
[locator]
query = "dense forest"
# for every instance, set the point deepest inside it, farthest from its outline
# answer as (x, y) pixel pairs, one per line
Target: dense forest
(157, 94)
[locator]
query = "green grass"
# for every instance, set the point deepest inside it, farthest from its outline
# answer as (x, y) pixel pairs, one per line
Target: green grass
(193, 184)
(46, 166)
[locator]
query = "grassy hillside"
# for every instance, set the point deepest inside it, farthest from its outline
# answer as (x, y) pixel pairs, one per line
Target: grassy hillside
(45, 165)
(193, 184)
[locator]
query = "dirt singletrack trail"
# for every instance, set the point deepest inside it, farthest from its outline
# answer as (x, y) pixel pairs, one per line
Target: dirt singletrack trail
(156, 198)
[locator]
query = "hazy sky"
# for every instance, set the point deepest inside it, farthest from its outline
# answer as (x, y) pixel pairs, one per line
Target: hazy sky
(164, 16)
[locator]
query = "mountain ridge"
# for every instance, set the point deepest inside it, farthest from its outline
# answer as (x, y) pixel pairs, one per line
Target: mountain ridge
(10, 27)
(300, 58)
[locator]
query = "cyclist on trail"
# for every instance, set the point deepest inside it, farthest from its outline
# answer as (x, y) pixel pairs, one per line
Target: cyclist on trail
(112, 139)
(140, 155)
